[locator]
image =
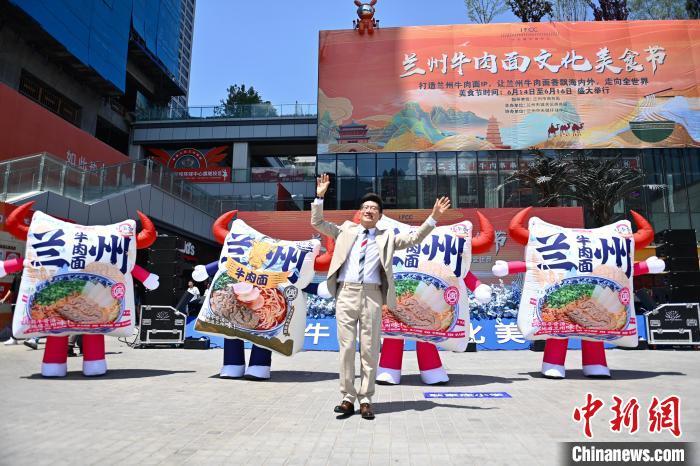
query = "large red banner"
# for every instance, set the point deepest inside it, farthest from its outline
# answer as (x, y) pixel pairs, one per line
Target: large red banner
(510, 86)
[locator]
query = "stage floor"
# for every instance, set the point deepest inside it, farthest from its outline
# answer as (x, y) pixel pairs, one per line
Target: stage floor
(169, 406)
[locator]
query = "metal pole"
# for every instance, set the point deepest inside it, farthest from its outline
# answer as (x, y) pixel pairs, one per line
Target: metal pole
(82, 186)
(62, 183)
(40, 183)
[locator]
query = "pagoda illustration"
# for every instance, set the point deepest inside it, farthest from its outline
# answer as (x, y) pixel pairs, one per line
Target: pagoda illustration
(352, 133)
(493, 134)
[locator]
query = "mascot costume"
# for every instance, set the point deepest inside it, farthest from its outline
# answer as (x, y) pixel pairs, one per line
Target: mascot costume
(578, 283)
(256, 295)
(76, 280)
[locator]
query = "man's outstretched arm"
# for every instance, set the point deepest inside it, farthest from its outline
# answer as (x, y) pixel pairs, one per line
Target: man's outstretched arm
(406, 240)
(317, 221)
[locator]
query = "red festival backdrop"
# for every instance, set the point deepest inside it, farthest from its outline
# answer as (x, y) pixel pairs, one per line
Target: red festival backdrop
(197, 164)
(465, 87)
(296, 226)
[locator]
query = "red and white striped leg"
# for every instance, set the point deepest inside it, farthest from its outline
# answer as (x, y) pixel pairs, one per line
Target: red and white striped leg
(55, 362)
(94, 362)
(389, 370)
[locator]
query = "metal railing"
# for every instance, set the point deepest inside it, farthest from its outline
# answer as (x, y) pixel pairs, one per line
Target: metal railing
(46, 172)
(264, 110)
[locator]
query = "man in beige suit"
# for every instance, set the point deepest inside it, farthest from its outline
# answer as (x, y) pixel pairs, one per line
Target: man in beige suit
(361, 279)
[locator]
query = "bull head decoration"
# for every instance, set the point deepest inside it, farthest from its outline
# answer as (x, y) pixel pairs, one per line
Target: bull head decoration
(521, 235)
(15, 225)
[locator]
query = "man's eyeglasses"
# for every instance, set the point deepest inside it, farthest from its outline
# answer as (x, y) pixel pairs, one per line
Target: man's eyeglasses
(370, 208)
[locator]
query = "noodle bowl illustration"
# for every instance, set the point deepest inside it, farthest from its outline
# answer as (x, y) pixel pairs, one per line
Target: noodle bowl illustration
(77, 298)
(257, 310)
(420, 304)
(587, 303)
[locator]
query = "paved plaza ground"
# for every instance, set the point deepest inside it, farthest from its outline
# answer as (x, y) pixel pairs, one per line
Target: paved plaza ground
(168, 406)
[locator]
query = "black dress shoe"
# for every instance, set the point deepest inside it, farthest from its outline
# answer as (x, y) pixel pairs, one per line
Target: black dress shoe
(366, 411)
(345, 408)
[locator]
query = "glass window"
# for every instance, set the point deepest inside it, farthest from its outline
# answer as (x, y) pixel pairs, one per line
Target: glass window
(427, 191)
(675, 182)
(386, 186)
(466, 180)
(653, 168)
(446, 163)
(386, 164)
(426, 163)
(325, 164)
(365, 185)
(365, 164)
(406, 185)
(447, 175)
(507, 164)
(346, 165)
(488, 178)
(406, 164)
(347, 196)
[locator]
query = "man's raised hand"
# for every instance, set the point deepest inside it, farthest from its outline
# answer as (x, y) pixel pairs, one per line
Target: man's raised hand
(440, 207)
(322, 184)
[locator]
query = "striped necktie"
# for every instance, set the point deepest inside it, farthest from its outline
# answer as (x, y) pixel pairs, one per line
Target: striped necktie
(363, 253)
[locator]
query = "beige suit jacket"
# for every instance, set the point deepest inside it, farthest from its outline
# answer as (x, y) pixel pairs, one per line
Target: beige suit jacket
(387, 242)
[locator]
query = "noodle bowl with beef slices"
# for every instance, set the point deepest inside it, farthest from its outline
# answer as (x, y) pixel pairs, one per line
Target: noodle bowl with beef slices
(79, 297)
(420, 303)
(261, 314)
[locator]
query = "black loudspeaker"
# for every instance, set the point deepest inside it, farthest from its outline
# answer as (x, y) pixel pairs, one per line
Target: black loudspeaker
(677, 294)
(681, 264)
(675, 279)
(165, 242)
(156, 256)
(166, 269)
(677, 250)
(163, 296)
(676, 236)
(644, 281)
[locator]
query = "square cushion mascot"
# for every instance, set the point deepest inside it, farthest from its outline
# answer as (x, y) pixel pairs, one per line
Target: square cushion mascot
(76, 280)
(432, 302)
(256, 295)
(578, 283)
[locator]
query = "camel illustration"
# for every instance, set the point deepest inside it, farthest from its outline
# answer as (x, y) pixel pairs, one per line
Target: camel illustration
(576, 129)
(564, 129)
(552, 131)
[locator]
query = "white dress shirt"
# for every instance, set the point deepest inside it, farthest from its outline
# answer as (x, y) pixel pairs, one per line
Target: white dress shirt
(350, 270)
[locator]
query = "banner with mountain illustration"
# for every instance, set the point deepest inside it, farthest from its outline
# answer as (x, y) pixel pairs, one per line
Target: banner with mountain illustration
(510, 86)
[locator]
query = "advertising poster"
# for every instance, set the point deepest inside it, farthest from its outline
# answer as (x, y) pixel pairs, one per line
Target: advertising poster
(510, 86)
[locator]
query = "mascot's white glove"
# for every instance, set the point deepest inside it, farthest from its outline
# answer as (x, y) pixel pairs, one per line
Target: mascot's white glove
(199, 274)
(655, 264)
(323, 290)
(2, 269)
(482, 293)
(500, 269)
(151, 282)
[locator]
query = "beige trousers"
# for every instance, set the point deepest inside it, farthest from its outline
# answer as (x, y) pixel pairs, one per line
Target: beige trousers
(358, 304)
